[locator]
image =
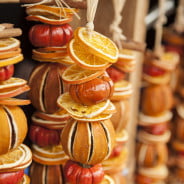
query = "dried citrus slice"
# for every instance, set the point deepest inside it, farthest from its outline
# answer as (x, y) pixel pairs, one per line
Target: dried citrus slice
(51, 124)
(50, 10)
(14, 101)
(8, 54)
(168, 61)
(11, 60)
(12, 82)
(48, 54)
(75, 109)
(60, 115)
(63, 60)
(8, 44)
(74, 74)
(98, 44)
(11, 92)
(52, 49)
(122, 85)
(49, 20)
(126, 55)
(84, 59)
(12, 158)
(100, 117)
(110, 109)
(25, 162)
(53, 155)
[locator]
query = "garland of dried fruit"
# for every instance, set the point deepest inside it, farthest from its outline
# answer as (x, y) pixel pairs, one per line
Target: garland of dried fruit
(84, 111)
(49, 38)
(118, 72)
(14, 156)
(156, 103)
(174, 41)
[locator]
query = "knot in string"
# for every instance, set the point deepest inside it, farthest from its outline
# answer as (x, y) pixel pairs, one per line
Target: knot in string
(91, 11)
(90, 26)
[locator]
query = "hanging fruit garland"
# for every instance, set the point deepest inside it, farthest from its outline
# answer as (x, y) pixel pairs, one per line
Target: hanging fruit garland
(14, 156)
(87, 101)
(49, 38)
(156, 104)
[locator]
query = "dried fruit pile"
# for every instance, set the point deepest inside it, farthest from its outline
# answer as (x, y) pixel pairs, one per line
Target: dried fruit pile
(14, 156)
(156, 104)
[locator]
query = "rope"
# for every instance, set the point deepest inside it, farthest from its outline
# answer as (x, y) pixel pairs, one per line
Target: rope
(159, 27)
(179, 20)
(91, 11)
(117, 32)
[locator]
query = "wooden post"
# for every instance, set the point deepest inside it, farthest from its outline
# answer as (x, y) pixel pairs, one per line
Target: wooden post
(139, 31)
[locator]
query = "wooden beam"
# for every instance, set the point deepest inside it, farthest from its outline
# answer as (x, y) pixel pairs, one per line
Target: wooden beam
(9, 1)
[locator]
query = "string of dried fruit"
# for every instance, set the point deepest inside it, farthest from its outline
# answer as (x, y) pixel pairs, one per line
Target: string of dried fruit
(156, 103)
(174, 41)
(14, 156)
(89, 137)
(119, 72)
(49, 38)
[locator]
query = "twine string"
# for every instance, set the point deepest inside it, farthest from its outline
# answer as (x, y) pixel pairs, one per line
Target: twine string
(159, 28)
(91, 11)
(179, 20)
(117, 32)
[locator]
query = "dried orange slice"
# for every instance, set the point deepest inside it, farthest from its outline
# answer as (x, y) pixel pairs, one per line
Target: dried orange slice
(50, 10)
(110, 109)
(52, 49)
(53, 155)
(9, 54)
(11, 92)
(14, 101)
(51, 124)
(74, 74)
(75, 109)
(77, 52)
(168, 61)
(26, 161)
(12, 158)
(98, 44)
(49, 20)
(49, 54)
(63, 60)
(11, 60)
(8, 44)
(12, 83)
(126, 55)
(60, 115)
(100, 117)
(122, 85)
